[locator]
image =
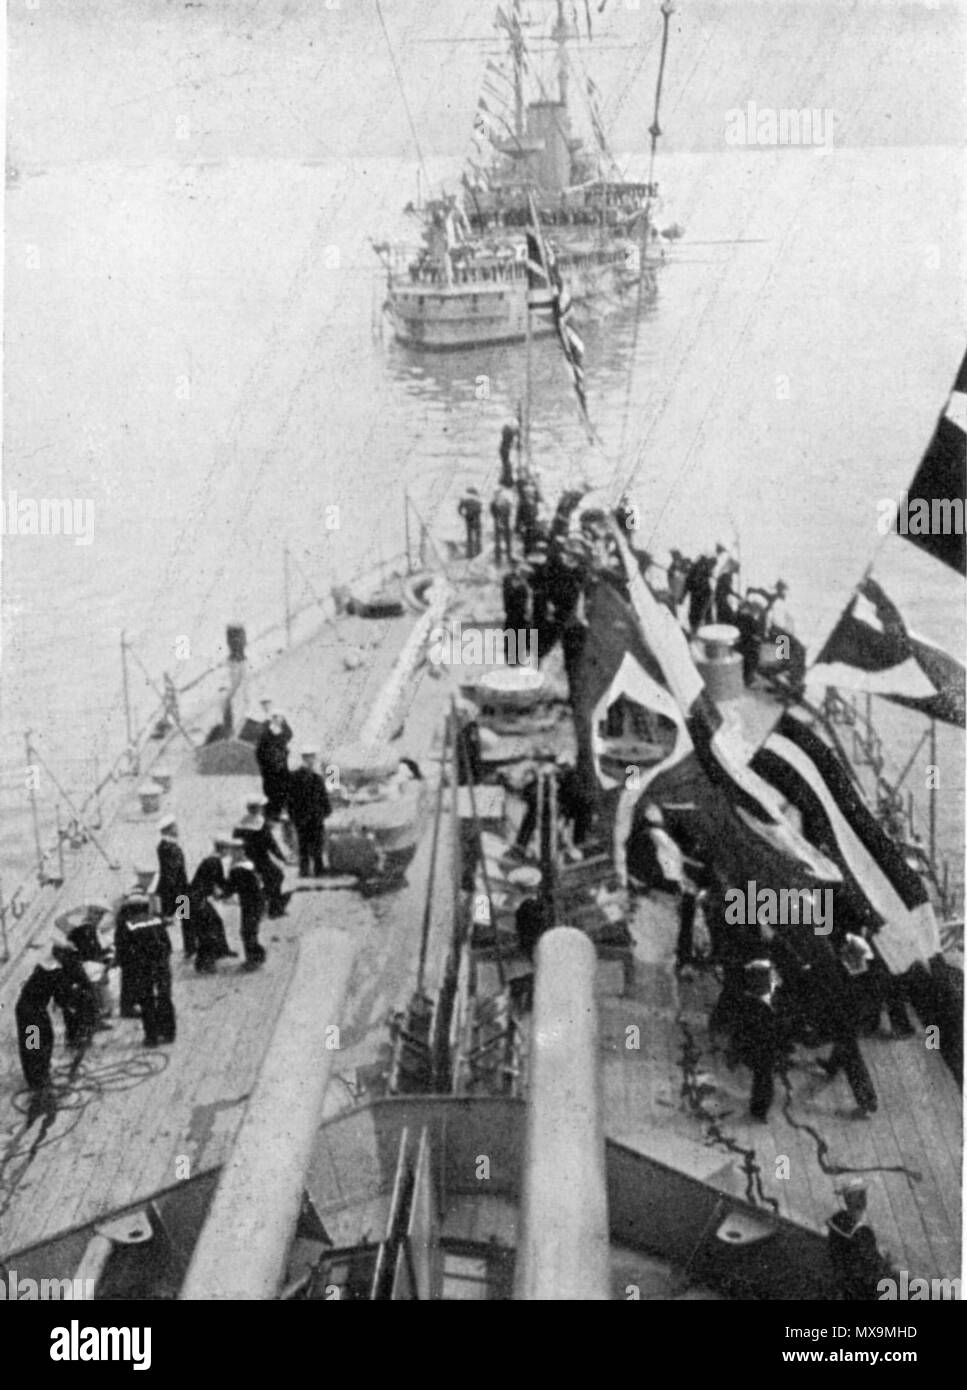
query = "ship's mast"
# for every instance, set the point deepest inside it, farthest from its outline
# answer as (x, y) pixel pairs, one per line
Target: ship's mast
(560, 36)
(517, 54)
(667, 10)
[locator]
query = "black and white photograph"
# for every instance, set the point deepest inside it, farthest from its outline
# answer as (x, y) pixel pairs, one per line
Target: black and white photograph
(482, 690)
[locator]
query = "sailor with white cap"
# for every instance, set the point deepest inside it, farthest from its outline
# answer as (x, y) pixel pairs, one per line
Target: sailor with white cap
(265, 853)
(758, 1039)
(135, 904)
(80, 928)
(173, 885)
(671, 872)
(209, 885)
(144, 952)
(272, 756)
(853, 1252)
(309, 806)
(245, 885)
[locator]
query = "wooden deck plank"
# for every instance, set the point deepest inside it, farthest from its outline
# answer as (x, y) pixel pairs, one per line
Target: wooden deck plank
(914, 1244)
(852, 1149)
(936, 1094)
(936, 1191)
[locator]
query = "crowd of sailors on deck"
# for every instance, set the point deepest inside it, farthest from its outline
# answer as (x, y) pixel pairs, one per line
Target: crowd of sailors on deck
(547, 564)
(132, 935)
(774, 996)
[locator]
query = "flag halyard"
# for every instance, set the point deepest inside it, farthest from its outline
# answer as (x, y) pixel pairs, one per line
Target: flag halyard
(542, 266)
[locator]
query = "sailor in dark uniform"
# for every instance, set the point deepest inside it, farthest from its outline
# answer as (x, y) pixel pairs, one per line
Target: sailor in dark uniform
(173, 885)
(883, 990)
(469, 750)
(566, 584)
(470, 508)
(516, 595)
(530, 792)
(35, 1031)
(678, 572)
(725, 599)
(540, 592)
(77, 996)
(854, 1255)
(244, 884)
(749, 640)
(265, 853)
(527, 525)
(502, 511)
(128, 907)
(574, 806)
(309, 806)
(757, 1038)
(210, 881)
(148, 954)
(698, 587)
(80, 928)
(836, 1020)
(272, 756)
(508, 438)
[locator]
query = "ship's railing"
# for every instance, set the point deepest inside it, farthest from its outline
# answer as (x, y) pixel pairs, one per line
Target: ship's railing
(493, 272)
(84, 818)
(895, 804)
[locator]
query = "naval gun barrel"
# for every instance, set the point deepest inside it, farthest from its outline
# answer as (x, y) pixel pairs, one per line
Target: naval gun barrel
(242, 1249)
(563, 1251)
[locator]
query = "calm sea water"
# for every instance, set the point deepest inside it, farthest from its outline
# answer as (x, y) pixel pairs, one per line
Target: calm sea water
(194, 345)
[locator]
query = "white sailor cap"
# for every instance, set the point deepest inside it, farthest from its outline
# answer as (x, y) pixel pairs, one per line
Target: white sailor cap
(850, 1185)
(256, 800)
(88, 913)
(167, 822)
(310, 751)
(758, 972)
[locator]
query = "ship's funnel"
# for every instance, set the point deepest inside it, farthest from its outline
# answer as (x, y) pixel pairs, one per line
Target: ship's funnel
(548, 131)
(563, 1251)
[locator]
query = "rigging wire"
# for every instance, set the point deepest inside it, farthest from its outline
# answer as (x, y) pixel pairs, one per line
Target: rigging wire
(399, 83)
(694, 337)
(725, 378)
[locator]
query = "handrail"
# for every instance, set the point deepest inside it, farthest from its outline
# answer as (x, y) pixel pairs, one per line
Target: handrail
(868, 745)
(17, 903)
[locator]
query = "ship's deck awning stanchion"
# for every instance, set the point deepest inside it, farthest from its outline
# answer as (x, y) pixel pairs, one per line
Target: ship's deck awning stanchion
(564, 1251)
(242, 1250)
